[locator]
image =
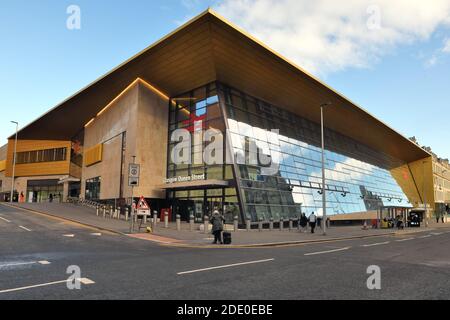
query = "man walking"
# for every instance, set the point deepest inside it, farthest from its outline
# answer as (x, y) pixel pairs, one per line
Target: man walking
(312, 222)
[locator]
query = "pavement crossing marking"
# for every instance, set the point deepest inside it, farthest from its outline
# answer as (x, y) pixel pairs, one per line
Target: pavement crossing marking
(375, 244)
(328, 251)
(226, 266)
(84, 281)
(14, 264)
(408, 239)
(4, 219)
(24, 228)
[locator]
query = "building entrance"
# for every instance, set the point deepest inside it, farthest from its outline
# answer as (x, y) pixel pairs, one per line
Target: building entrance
(203, 202)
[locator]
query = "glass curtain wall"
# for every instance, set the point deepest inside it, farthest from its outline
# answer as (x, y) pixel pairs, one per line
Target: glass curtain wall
(197, 111)
(358, 178)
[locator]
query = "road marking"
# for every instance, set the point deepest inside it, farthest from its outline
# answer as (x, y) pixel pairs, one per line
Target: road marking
(423, 237)
(22, 227)
(225, 266)
(408, 239)
(436, 233)
(375, 244)
(96, 234)
(43, 262)
(68, 235)
(5, 219)
(84, 281)
(329, 251)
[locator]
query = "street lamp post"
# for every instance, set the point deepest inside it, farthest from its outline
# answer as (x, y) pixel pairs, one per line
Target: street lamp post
(14, 162)
(424, 195)
(324, 199)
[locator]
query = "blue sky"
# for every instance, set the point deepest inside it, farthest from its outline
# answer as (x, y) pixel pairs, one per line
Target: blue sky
(400, 73)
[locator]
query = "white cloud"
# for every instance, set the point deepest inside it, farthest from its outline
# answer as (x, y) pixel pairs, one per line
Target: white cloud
(325, 36)
(446, 47)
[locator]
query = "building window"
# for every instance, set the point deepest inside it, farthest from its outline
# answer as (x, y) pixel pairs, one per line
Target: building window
(36, 156)
(93, 189)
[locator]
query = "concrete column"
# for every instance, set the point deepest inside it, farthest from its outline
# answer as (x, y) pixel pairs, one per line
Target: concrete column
(206, 225)
(178, 222)
(290, 224)
(260, 224)
(247, 224)
(281, 224)
(166, 219)
(236, 223)
(191, 222)
(271, 224)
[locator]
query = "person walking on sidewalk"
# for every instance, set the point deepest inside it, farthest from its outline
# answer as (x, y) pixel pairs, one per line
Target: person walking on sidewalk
(217, 221)
(303, 222)
(312, 222)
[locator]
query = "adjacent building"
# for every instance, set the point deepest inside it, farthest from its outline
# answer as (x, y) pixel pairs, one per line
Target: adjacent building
(209, 75)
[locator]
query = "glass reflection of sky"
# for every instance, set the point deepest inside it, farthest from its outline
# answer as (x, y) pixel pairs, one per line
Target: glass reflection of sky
(300, 166)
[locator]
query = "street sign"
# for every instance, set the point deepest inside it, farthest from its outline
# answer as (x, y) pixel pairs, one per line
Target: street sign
(142, 207)
(133, 174)
(142, 204)
(134, 170)
(133, 182)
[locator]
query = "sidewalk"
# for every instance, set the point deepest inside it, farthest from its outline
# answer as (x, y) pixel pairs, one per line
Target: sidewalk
(185, 237)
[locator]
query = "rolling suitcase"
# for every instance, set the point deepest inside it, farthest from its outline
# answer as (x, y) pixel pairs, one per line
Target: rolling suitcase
(226, 237)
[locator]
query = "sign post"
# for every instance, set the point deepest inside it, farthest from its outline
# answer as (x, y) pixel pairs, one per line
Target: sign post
(133, 181)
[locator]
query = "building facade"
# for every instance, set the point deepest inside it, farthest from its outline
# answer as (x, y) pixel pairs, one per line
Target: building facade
(210, 77)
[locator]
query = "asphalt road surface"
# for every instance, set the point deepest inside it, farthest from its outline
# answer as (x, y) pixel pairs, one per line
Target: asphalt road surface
(36, 252)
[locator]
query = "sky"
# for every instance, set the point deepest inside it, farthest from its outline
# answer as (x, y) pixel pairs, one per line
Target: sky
(391, 57)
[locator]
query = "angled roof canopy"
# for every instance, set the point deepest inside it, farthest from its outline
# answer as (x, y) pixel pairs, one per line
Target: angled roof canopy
(209, 48)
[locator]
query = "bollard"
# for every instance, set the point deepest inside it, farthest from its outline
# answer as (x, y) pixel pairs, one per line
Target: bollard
(206, 224)
(260, 224)
(271, 224)
(155, 218)
(236, 223)
(298, 224)
(290, 224)
(178, 222)
(104, 211)
(281, 224)
(97, 210)
(166, 219)
(119, 211)
(191, 222)
(126, 214)
(110, 211)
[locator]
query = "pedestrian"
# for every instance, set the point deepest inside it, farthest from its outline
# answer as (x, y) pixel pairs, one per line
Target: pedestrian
(437, 218)
(312, 222)
(303, 222)
(217, 221)
(51, 197)
(319, 222)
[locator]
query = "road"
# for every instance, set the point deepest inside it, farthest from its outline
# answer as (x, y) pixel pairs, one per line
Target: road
(35, 252)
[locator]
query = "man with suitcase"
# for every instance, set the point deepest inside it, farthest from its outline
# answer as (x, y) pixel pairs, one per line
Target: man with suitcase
(217, 221)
